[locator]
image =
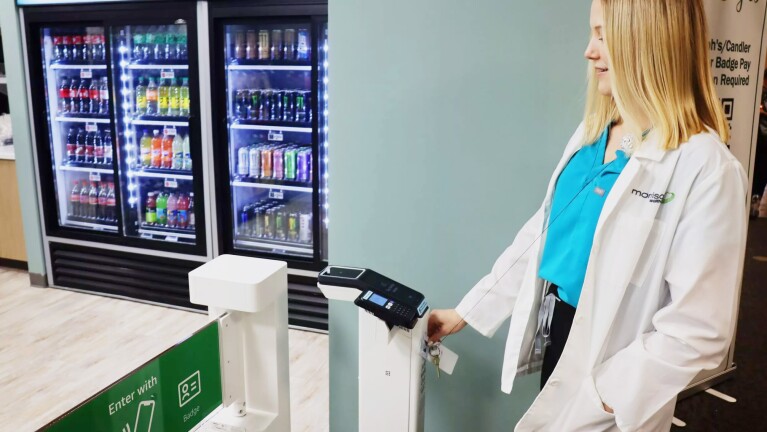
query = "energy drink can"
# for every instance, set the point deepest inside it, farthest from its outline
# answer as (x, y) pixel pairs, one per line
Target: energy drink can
(258, 230)
(303, 166)
(242, 161)
(276, 44)
(278, 166)
(276, 106)
(291, 156)
(244, 217)
(263, 45)
(254, 162)
(288, 103)
(266, 163)
(300, 106)
(269, 224)
(255, 104)
(305, 228)
(264, 109)
(290, 44)
(293, 227)
(303, 45)
(280, 222)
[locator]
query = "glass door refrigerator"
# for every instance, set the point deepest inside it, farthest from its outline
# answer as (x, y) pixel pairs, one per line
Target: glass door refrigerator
(270, 74)
(115, 99)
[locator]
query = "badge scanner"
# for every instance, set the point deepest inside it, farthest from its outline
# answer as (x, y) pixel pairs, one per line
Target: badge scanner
(392, 328)
(251, 297)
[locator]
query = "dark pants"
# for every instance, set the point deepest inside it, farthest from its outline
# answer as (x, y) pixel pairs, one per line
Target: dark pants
(560, 329)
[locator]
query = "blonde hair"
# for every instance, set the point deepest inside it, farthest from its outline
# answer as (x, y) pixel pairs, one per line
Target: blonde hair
(660, 72)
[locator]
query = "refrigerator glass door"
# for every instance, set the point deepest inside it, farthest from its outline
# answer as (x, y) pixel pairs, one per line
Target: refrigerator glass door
(271, 136)
(76, 87)
(151, 68)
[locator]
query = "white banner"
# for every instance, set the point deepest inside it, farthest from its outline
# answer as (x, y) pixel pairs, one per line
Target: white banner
(737, 52)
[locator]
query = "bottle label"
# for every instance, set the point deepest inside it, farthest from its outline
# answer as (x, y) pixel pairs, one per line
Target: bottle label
(102, 201)
(141, 102)
(183, 218)
(174, 103)
(162, 215)
(185, 103)
(104, 94)
(163, 102)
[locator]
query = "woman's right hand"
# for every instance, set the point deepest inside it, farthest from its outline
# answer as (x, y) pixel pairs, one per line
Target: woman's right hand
(443, 322)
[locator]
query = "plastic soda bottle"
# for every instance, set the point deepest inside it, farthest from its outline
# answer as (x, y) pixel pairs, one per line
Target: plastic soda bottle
(93, 201)
(111, 204)
(167, 151)
(183, 109)
(141, 97)
(74, 201)
(162, 209)
(174, 98)
(163, 92)
(172, 210)
(156, 161)
(102, 211)
(178, 153)
(151, 98)
(191, 211)
(84, 200)
(183, 211)
(187, 164)
(151, 208)
(146, 150)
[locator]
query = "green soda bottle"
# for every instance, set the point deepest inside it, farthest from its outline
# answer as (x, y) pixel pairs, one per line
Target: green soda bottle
(163, 91)
(162, 209)
(141, 97)
(146, 150)
(184, 98)
(174, 101)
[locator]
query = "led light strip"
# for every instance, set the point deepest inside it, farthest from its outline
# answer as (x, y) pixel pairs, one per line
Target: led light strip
(127, 94)
(323, 156)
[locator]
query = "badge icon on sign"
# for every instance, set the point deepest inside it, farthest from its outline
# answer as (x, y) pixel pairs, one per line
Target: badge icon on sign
(189, 388)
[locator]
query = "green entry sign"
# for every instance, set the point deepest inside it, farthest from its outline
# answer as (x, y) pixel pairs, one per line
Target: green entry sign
(171, 393)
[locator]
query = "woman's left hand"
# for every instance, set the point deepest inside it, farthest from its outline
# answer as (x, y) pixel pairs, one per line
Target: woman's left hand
(607, 408)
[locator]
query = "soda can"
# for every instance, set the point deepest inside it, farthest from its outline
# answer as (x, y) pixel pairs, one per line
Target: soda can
(305, 228)
(255, 104)
(289, 44)
(258, 227)
(252, 45)
(264, 109)
(300, 106)
(293, 227)
(239, 45)
(254, 162)
(276, 44)
(288, 104)
(278, 166)
(244, 217)
(266, 163)
(242, 161)
(303, 45)
(269, 223)
(280, 222)
(291, 156)
(263, 45)
(276, 106)
(244, 104)
(303, 166)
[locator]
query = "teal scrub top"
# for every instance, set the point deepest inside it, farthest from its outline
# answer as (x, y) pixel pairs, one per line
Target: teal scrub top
(579, 195)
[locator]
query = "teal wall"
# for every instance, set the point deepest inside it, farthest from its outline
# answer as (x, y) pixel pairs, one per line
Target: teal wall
(447, 119)
(17, 95)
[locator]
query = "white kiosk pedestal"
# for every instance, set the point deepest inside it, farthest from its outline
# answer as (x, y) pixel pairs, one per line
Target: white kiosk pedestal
(253, 293)
(391, 371)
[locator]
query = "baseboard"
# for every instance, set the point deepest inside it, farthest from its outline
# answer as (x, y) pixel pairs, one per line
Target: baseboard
(11, 263)
(38, 280)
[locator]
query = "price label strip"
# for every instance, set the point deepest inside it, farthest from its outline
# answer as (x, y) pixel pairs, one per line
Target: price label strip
(276, 194)
(169, 131)
(91, 127)
(86, 73)
(167, 74)
(171, 183)
(171, 239)
(275, 136)
(95, 177)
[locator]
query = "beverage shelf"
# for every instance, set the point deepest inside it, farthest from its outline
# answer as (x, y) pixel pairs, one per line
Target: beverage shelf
(269, 67)
(92, 225)
(82, 120)
(265, 127)
(273, 244)
(172, 121)
(57, 66)
(275, 185)
(159, 230)
(167, 174)
(136, 66)
(86, 169)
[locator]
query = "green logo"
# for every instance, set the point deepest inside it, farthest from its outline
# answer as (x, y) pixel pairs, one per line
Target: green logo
(668, 198)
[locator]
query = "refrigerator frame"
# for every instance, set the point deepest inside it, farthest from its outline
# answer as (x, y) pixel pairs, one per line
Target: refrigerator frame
(234, 12)
(115, 15)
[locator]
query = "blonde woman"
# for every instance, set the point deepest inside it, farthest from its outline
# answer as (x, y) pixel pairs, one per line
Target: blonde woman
(622, 287)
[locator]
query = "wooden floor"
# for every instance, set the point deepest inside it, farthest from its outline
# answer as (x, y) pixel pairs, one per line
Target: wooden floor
(57, 348)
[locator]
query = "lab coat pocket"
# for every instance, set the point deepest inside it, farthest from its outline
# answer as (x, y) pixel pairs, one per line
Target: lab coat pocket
(584, 412)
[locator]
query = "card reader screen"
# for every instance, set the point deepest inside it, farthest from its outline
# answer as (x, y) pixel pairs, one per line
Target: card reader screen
(377, 299)
(346, 273)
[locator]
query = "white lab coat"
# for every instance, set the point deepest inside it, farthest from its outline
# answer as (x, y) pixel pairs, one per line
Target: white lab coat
(659, 299)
